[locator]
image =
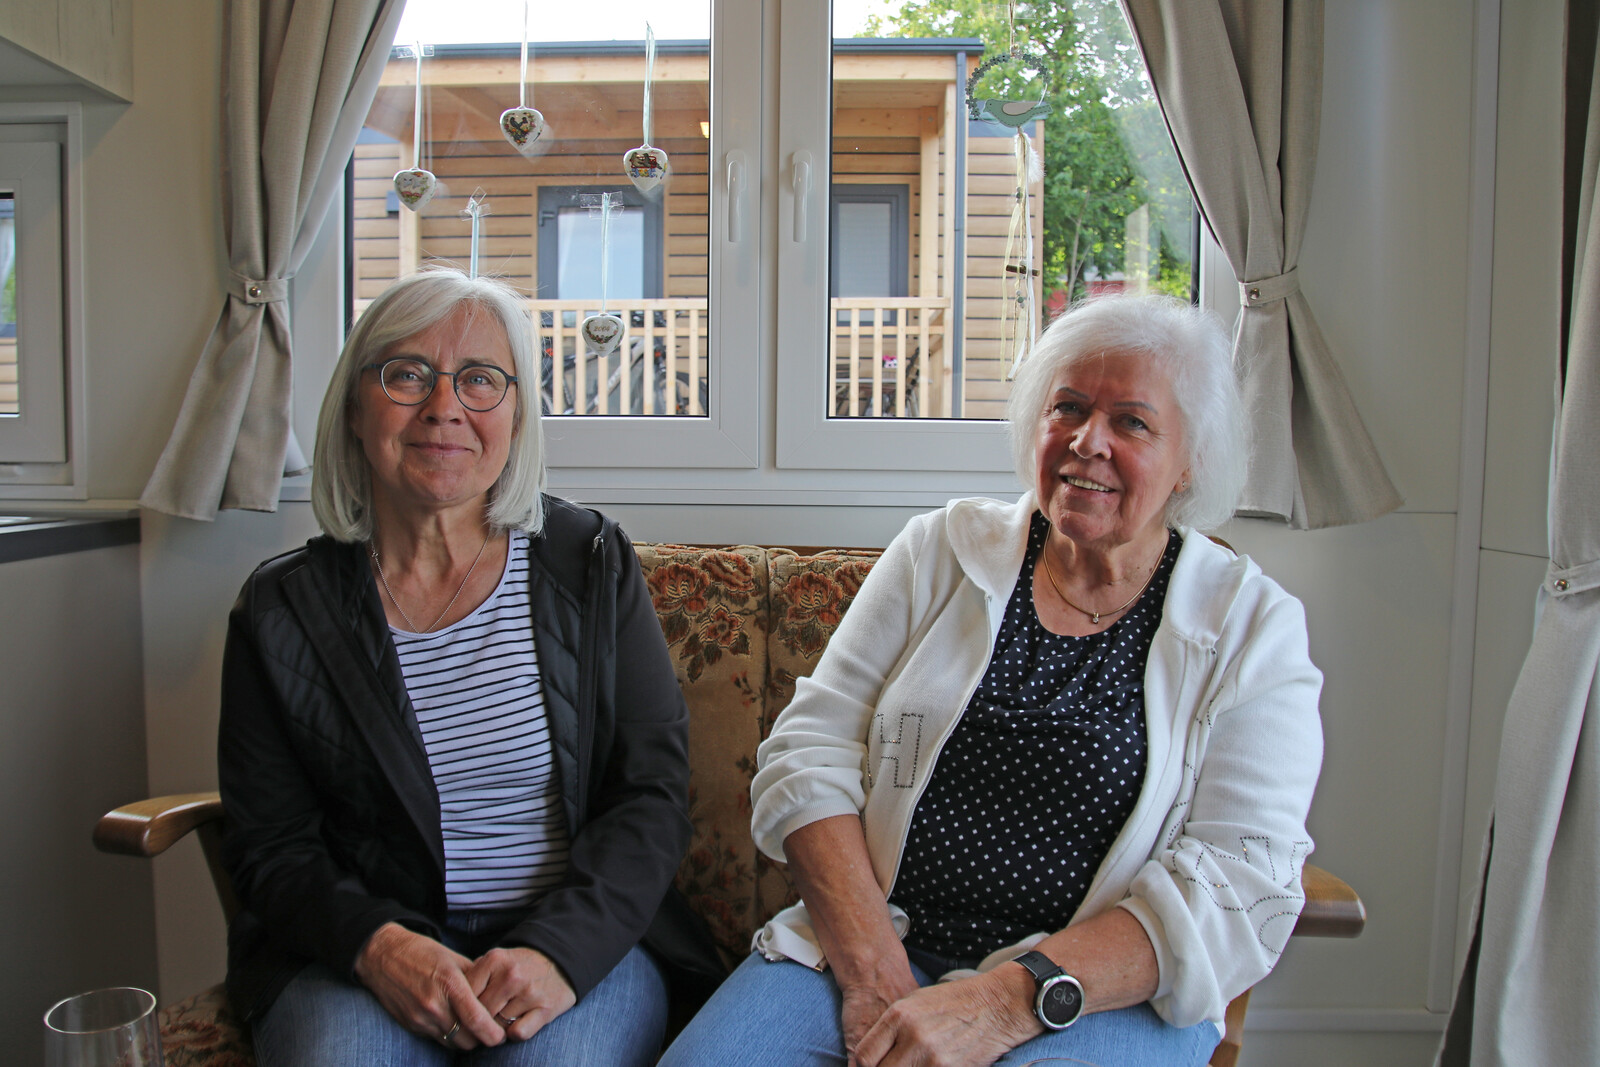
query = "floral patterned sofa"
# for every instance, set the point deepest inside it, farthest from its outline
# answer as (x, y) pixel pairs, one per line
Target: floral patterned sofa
(742, 624)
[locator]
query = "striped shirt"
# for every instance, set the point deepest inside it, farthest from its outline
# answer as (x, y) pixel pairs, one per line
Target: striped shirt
(476, 690)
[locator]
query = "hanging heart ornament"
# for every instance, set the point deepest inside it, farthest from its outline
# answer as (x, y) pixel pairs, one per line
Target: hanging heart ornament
(603, 332)
(646, 166)
(416, 187)
(523, 126)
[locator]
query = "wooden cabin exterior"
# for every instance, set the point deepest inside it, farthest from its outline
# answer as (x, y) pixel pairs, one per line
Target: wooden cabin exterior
(899, 120)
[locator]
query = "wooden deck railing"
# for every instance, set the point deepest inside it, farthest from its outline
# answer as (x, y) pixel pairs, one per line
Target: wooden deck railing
(10, 401)
(667, 335)
(889, 356)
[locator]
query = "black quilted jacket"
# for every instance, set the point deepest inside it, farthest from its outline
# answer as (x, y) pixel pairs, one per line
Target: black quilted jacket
(332, 817)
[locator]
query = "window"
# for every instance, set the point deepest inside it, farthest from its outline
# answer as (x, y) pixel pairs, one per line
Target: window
(1054, 169)
(682, 306)
(887, 223)
(41, 427)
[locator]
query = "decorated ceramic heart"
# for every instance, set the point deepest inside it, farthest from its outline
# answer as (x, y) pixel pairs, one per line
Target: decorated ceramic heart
(603, 332)
(646, 166)
(523, 126)
(416, 187)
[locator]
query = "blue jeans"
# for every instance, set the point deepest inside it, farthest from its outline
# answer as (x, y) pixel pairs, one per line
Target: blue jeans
(321, 1018)
(786, 1015)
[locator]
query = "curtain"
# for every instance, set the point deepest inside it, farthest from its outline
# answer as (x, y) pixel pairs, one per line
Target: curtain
(1240, 85)
(298, 78)
(1531, 990)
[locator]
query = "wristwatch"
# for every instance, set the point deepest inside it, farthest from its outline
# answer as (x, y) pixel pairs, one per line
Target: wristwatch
(1059, 998)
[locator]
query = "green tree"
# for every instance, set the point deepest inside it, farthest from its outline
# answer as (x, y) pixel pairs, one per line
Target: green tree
(1106, 150)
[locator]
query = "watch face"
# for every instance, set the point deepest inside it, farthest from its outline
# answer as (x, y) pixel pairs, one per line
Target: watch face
(1060, 1001)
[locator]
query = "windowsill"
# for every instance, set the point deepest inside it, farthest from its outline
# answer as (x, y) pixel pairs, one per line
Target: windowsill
(33, 537)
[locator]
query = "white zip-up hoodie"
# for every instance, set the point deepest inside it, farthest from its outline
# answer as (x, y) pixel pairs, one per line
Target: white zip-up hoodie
(1209, 860)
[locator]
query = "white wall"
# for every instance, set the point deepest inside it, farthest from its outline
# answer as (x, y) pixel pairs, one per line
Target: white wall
(1385, 267)
(71, 748)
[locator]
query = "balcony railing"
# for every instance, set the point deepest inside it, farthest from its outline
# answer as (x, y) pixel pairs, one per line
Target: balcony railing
(9, 398)
(889, 358)
(667, 333)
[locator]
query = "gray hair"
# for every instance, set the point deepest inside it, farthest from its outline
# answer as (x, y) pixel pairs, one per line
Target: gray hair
(341, 481)
(1192, 350)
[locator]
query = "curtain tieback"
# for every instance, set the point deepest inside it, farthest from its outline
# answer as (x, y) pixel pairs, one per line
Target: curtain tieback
(258, 290)
(1266, 290)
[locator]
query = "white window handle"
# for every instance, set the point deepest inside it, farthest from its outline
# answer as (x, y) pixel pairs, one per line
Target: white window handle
(802, 191)
(735, 191)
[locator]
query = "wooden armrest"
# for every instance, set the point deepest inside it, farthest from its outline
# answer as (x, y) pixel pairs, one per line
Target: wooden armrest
(1332, 908)
(149, 827)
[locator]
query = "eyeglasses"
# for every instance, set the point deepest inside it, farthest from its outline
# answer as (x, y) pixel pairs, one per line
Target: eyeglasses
(479, 386)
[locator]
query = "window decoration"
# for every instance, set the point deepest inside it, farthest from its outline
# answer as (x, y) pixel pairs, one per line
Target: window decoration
(604, 331)
(523, 125)
(477, 207)
(416, 185)
(647, 165)
(1019, 322)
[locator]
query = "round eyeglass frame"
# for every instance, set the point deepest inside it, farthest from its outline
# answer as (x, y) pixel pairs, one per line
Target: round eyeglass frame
(433, 383)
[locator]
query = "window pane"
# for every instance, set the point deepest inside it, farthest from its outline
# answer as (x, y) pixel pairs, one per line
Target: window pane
(863, 234)
(9, 398)
(1107, 206)
(586, 77)
(578, 275)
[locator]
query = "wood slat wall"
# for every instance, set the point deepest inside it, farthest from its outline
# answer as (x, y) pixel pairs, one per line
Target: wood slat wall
(510, 244)
(991, 191)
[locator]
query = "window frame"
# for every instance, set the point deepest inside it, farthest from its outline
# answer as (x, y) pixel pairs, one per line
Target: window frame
(807, 438)
(66, 479)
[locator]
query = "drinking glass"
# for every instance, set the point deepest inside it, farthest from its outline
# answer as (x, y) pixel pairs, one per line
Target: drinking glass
(105, 1028)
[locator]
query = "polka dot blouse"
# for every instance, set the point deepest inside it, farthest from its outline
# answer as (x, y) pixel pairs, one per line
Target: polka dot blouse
(1036, 780)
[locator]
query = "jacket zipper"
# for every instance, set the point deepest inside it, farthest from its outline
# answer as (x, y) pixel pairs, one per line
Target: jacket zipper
(586, 672)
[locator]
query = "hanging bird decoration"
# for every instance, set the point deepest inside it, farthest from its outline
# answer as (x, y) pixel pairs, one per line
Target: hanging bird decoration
(1019, 321)
(523, 125)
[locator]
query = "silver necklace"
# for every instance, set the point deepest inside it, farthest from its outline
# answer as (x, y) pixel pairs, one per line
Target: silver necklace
(376, 563)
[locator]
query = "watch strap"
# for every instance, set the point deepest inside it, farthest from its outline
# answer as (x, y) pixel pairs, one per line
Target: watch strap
(1039, 965)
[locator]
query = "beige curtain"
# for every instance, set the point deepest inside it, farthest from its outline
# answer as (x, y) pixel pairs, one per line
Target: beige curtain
(1240, 84)
(298, 78)
(1531, 991)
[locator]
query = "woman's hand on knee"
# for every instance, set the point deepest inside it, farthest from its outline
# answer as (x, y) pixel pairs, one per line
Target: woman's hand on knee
(521, 988)
(968, 1021)
(427, 988)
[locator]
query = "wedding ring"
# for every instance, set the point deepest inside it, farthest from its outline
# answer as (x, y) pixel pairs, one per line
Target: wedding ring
(444, 1038)
(506, 1020)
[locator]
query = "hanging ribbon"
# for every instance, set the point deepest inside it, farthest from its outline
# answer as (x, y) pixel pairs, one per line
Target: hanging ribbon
(647, 165)
(477, 207)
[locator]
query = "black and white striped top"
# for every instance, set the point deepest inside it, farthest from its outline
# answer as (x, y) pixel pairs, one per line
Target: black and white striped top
(476, 689)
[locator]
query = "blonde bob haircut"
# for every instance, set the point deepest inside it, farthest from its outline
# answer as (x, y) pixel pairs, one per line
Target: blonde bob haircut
(1189, 347)
(341, 481)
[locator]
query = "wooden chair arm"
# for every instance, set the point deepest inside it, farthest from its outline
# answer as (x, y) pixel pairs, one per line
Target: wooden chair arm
(1332, 908)
(150, 827)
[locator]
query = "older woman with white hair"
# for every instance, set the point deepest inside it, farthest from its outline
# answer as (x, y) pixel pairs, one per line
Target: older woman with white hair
(1045, 794)
(452, 750)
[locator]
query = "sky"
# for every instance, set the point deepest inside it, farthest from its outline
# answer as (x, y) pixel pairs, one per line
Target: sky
(498, 21)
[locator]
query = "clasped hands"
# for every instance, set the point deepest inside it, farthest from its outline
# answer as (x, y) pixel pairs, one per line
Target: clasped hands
(505, 994)
(890, 1022)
